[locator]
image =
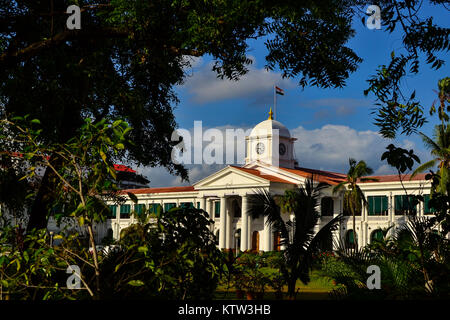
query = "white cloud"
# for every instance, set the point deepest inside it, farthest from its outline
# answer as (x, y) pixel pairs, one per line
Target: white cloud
(204, 86)
(330, 147)
(160, 177)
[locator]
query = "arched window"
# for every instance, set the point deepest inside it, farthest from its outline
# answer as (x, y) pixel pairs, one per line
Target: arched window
(255, 241)
(350, 239)
(376, 235)
(326, 206)
(276, 241)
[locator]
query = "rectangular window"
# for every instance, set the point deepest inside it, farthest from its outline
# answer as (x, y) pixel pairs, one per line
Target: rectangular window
(403, 205)
(426, 206)
(153, 208)
(187, 205)
(198, 205)
(112, 212)
(327, 206)
(139, 208)
(217, 209)
(378, 205)
(168, 206)
(125, 211)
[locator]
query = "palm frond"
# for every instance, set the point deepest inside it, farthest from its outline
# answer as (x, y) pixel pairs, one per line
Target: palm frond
(262, 203)
(428, 142)
(339, 187)
(322, 236)
(427, 165)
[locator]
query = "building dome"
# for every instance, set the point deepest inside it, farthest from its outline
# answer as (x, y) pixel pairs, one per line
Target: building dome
(267, 127)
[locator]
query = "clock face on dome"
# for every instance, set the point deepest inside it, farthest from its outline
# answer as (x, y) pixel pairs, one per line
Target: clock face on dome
(282, 149)
(260, 148)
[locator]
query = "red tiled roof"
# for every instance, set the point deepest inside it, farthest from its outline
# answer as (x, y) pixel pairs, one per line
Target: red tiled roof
(395, 178)
(159, 190)
(332, 178)
(264, 176)
(124, 168)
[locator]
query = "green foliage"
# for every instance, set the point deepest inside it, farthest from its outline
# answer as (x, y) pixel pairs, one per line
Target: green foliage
(440, 181)
(85, 175)
(400, 158)
(398, 112)
(32, 269)
(414, 264)
(173, 256)
(252, 273)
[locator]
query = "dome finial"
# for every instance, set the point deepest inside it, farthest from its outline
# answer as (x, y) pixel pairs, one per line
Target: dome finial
(270, 114)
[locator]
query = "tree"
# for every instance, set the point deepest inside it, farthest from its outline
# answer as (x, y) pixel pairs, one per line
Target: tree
(298, 235)
(353, 193)
(443, 100)
(440, 181)
(128, 56)
(403, 160)
(440, 150)
(86, 173)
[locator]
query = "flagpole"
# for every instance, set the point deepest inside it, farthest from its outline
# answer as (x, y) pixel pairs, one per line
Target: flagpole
(274, 102)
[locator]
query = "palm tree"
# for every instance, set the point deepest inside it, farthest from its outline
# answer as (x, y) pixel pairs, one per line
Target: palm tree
(297, 235)
(443, 98)
(440, 149)
(353, 193)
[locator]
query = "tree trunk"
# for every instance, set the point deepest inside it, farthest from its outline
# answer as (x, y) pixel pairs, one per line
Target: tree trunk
(96, 267)
(44, 198)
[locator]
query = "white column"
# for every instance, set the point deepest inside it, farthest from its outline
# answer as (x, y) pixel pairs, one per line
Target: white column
(228, 225)
(366, 233)
(250, 235)
(267, 235)
(203, 204)
(244, 225)
(391, 208)
(210, 208)
(131, 213)
(364, 212)
(222, 224)
(336, 211)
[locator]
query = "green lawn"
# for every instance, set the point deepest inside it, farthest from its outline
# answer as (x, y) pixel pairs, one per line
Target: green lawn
(318, 288)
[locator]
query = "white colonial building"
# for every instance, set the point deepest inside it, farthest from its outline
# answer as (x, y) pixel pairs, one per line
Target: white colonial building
(270, 165)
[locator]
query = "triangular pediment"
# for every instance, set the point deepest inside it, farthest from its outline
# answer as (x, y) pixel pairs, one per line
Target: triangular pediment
(230, 177)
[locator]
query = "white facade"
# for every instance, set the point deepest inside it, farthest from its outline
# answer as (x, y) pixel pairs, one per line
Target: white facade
(271, 166)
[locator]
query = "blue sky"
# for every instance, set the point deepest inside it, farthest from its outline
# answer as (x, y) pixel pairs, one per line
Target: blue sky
(331, 124)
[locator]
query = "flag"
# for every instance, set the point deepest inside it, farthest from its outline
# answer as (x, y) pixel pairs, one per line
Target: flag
(279, 91)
